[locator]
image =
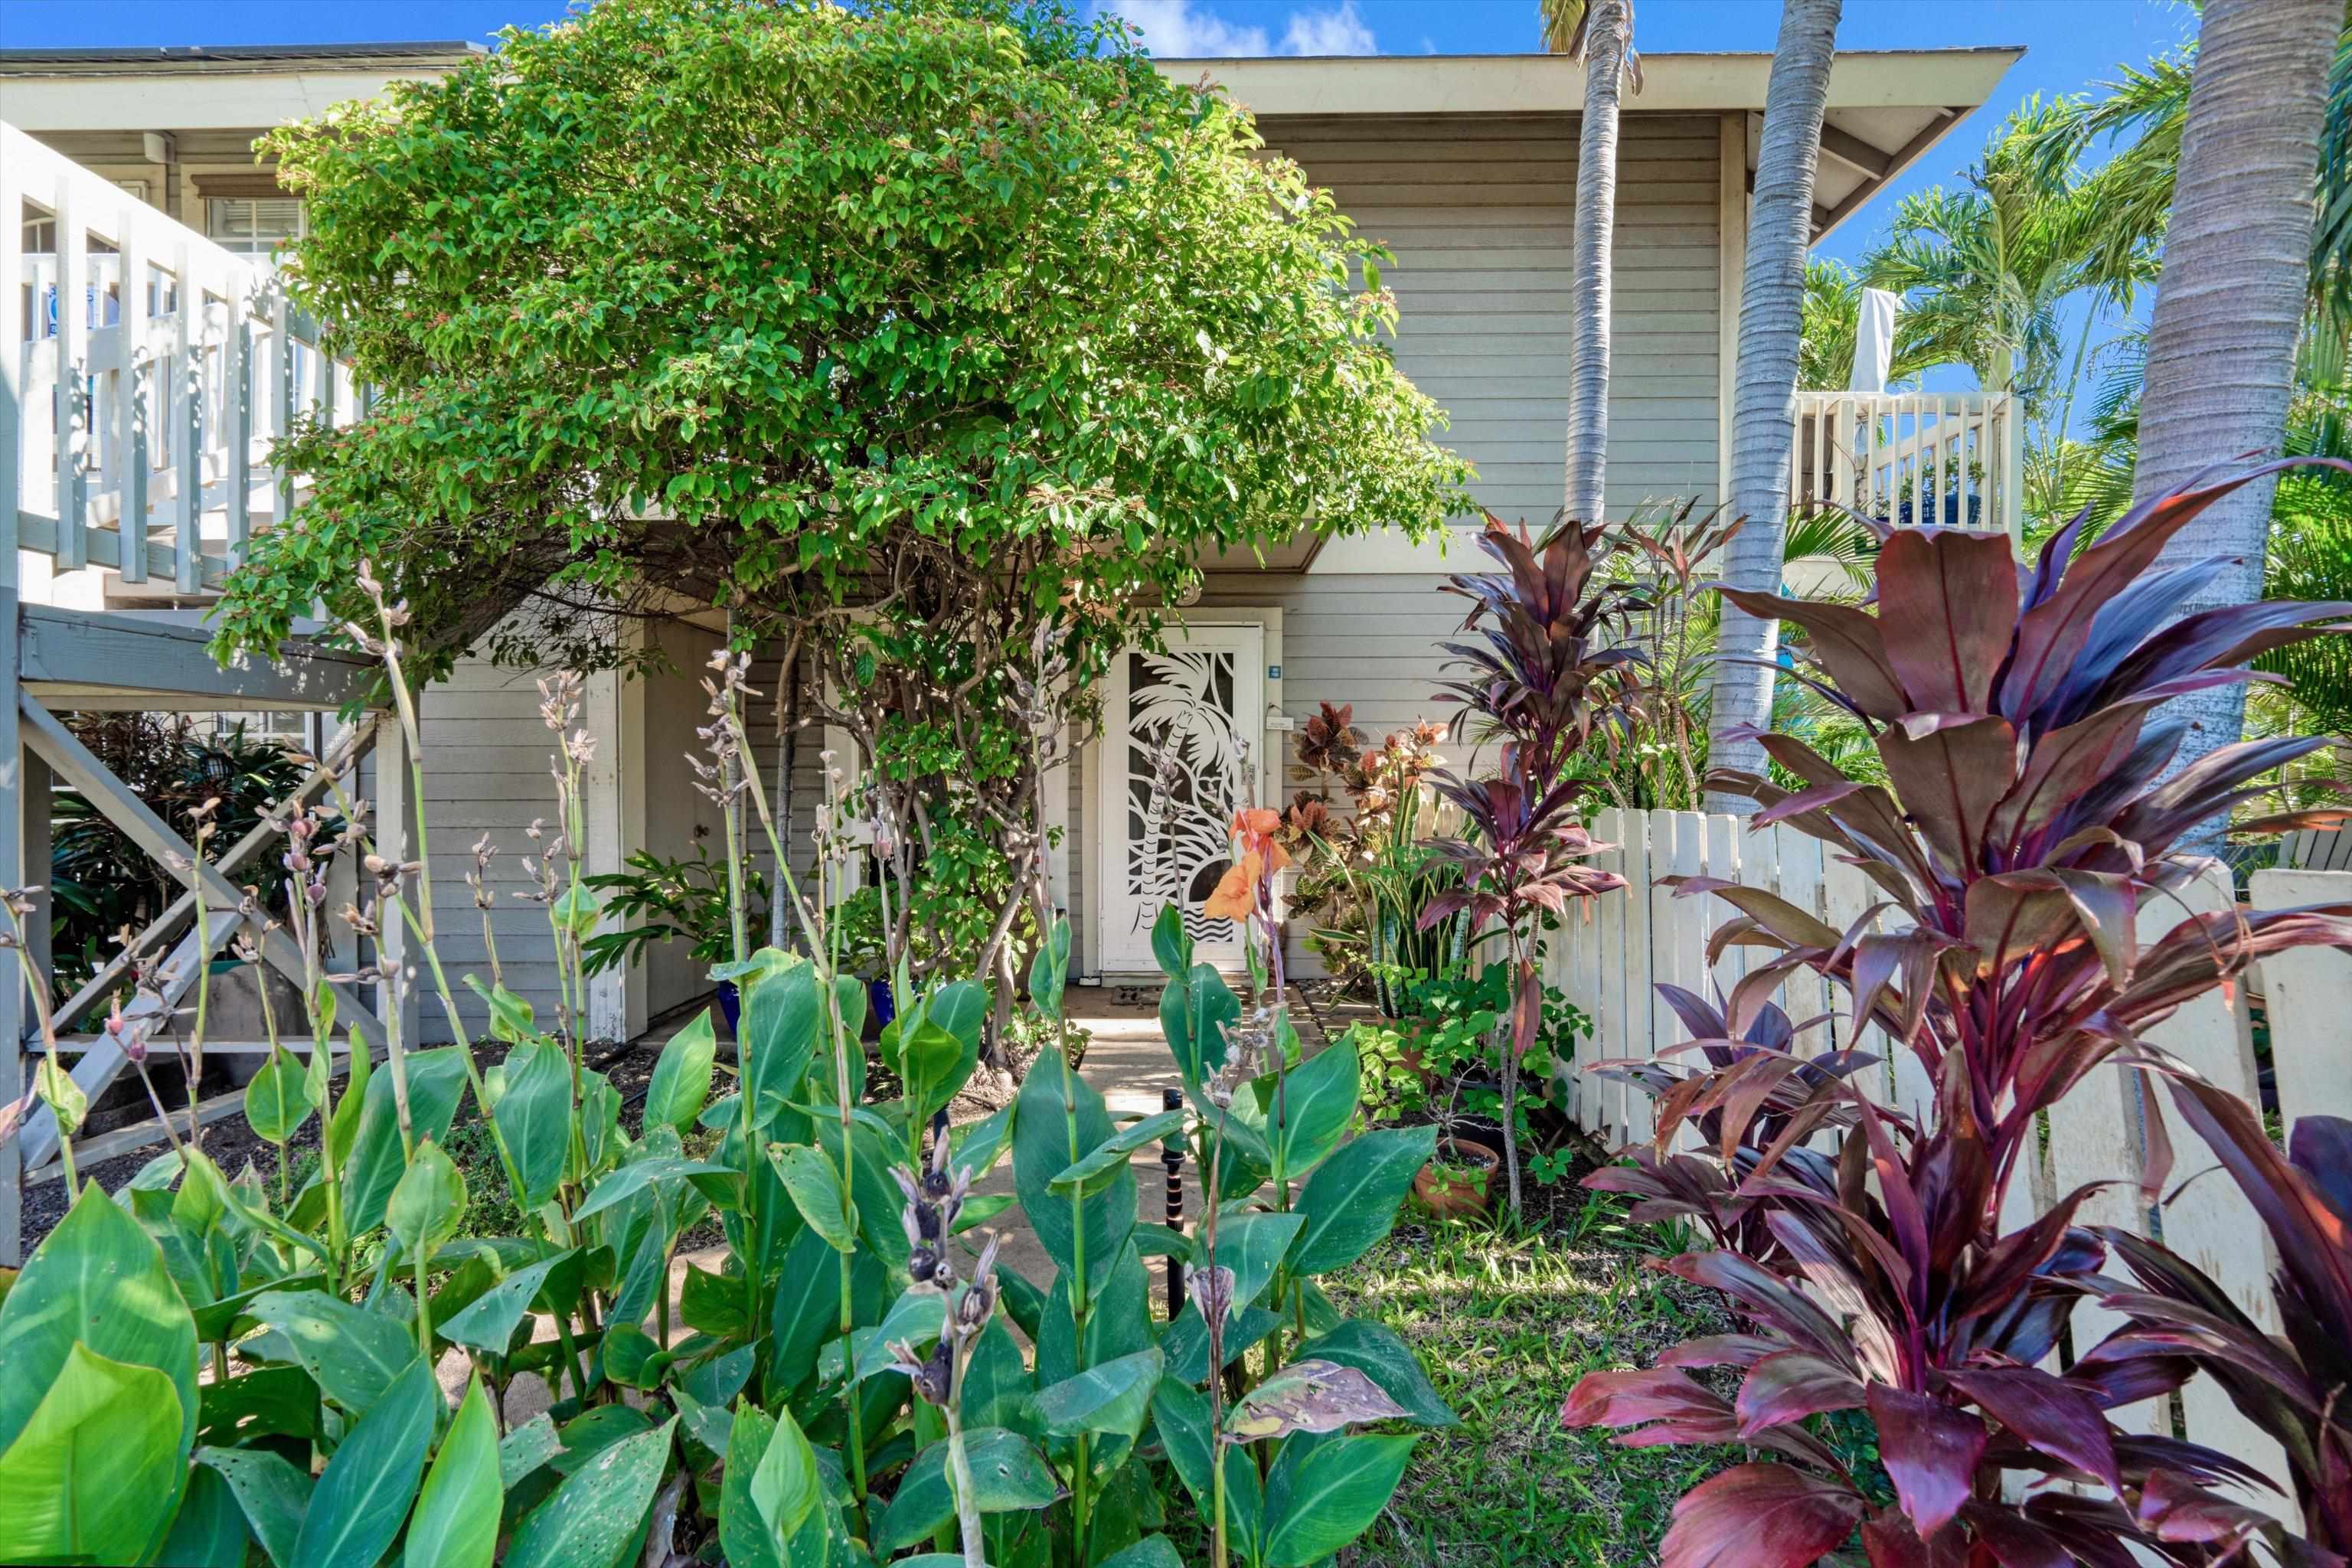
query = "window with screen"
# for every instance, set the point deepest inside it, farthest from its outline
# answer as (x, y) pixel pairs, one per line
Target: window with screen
(252, 226)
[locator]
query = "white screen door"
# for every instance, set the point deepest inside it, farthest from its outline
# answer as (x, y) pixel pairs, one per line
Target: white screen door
(1181, 737)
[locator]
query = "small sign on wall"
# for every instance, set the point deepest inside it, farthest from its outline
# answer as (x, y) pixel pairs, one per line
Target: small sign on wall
(1274, 672)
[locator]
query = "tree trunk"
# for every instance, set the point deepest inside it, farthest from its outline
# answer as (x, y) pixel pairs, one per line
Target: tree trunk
(1596, 226)
(1763, 427)
(2229, 303)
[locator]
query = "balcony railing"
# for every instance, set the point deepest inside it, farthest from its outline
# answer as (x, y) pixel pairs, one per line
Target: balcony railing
(154, 370)
(1911, 458)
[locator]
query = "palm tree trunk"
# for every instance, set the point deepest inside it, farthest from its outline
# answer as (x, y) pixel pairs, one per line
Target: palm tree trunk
(2229, 303)
(1763, 427)
(1596, 226)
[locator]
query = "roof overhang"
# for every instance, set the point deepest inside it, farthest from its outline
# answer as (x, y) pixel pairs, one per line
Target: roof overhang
(1886, 107)
(238, 89)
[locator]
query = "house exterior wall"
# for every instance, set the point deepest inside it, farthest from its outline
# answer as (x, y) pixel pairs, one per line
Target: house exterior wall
(1478, 213)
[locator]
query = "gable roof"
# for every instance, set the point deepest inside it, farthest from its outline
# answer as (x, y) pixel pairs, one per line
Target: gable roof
(1887, 108)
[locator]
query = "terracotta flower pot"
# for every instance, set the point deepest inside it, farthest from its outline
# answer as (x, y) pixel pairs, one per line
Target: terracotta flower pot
(1447, 1196)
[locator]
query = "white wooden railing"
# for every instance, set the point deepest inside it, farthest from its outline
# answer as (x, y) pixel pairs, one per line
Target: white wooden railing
(1913, 458)
(154, 371)
(1612, 950)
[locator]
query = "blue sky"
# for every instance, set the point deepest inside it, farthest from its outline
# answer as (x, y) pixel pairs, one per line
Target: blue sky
(2070, 44)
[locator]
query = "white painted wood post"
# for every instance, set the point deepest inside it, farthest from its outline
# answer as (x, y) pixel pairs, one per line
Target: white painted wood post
(2308, 995)
(1649, 845)
(613, 809)
(1606, 1100)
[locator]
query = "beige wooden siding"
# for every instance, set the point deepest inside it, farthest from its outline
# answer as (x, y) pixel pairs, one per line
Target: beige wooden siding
(679, 817)
(1478, 213)
(485, 772)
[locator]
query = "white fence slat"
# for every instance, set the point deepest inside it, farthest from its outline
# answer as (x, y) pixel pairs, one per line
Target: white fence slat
(1605, 1099)
(1633, 1112)
(2211, 1223)
(1804, 994)
(1735, 856)
(2310, 988)
(1676, 849)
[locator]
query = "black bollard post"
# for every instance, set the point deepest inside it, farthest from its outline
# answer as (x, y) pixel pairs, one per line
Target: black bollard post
(1171, 1159)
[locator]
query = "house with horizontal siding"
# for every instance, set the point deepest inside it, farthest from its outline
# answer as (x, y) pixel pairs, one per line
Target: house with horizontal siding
(1464, 167)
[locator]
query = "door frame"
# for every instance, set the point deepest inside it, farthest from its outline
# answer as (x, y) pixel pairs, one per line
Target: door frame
(1090, 794)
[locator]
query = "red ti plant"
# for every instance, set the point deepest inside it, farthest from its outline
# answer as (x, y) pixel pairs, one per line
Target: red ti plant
(1530, 682)
(2016, 709)
(2295, 1385)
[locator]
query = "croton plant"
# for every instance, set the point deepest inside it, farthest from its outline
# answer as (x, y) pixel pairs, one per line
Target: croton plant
(2028, 818)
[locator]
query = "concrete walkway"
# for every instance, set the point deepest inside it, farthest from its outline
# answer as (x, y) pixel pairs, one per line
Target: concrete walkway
(1126, 1061)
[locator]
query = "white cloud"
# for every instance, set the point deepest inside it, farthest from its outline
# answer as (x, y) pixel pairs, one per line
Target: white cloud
(1182, 29)
(1339, 32)
(1173, 30)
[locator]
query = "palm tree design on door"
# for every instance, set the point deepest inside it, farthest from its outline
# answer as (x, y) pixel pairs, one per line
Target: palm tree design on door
(1187, 766)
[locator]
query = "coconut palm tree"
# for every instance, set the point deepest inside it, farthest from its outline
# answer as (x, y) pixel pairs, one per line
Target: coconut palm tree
(2229, 308)
(1600, 32)
(1771, 313)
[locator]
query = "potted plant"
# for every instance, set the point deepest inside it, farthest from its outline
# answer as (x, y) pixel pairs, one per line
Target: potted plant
(1455, 1183)
(671, 901)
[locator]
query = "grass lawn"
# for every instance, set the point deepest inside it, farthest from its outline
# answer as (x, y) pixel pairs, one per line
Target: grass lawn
(1506, 1320)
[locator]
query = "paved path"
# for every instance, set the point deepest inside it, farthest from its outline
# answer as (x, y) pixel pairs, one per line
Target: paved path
(1126, 1061)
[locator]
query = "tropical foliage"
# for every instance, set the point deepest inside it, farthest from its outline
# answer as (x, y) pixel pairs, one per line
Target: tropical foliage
(200, 1365)
(975, 327)
(2024, 826)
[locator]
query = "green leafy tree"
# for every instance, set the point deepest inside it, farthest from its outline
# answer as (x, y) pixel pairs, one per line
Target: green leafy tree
(904, 332)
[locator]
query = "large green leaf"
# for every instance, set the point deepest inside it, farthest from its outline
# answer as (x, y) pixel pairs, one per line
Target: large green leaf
(436, 1080)
(1151, 1551)
(488, 1323)
(1251, 1245)
(1374, 1349)
(526, 1448)
(364, 1494)
(1316, 1101)
(1325, 1499)
(273, 1495)
(746, 1538)
(534, 1116)
(786, 1488)
(807, 1309)
(652, 1170)
(278, 1100)
(1113, 1397)
(1351, 1200)
(873, 1151)
(1049, 971)
(681, 1081)
(101, 1279)
(783, 1019)
(96, 1472)
(425, 1208)
(594, 1514)
(1008, 1475)
(352, 1354)
(1052, 1104)
(814, 1184)
(979, 1146)
(1180, 1414)
(1194, 1014)
(1096, 1171)
(209, 1530)
(997, 1388)
(456, 1523)
(916, 1318)
(1186, 1343)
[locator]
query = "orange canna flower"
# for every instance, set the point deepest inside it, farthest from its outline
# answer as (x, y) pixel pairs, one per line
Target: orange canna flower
(1236, 898)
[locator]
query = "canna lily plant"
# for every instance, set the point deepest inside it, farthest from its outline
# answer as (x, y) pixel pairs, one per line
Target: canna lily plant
(1530, 681)
(2018, 711)
(202, 1369)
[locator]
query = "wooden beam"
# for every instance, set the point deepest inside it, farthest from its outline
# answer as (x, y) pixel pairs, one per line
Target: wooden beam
(83, 656)
(348, 749)
(1901, 157)
(1855, 152)
(14, 428)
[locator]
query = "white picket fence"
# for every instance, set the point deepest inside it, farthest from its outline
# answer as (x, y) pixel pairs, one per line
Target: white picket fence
(1614, 949)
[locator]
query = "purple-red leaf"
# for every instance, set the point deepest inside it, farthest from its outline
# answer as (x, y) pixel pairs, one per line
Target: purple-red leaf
(1792, 1386)
(2047, 1414)
(1759, 1516)
(1931, 1451)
